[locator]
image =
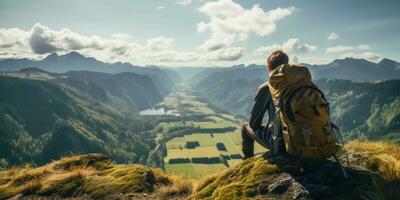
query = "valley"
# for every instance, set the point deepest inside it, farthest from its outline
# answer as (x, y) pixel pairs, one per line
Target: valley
(147, 100)
(147, 115)
(201, 141)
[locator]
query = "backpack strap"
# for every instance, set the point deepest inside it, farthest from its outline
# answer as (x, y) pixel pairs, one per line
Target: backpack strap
(277, 136)
(341, 168)
(339, 140)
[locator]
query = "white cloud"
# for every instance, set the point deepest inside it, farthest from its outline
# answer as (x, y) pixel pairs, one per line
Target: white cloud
(14, 42)
(371, 56)
(359, 51)
(363, 47)
(339, 49)
(291, 46)
(183, 2)
(159, 43)
(227, 54)
(333, 36)
(342, 48)
(314, 60)
(41, 40)
(215, 43)
(230, 22)
(158, 8)
(171, 56)
(267, 49)
(222, 8)
(363, 55)
(201, 27)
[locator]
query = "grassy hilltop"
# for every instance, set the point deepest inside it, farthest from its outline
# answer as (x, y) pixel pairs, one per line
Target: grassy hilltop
(374, 172)
(91, 176)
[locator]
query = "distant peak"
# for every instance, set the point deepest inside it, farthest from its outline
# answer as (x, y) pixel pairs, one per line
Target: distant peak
(255, 65)
(239, 66)
(73, 54)
(387, 61)
(349, 60)
(32, 69)
(52, 56)
(352, 59)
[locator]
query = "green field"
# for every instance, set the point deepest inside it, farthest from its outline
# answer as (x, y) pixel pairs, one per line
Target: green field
(194, 171)
(188, 104)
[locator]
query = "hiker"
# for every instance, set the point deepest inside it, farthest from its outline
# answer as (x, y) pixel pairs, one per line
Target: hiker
(298, 114)
(255, 130)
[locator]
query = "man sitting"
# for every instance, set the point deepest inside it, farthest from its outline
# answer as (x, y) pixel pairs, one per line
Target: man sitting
(255, 130)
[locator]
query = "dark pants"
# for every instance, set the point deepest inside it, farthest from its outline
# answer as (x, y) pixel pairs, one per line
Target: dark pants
(263, 136)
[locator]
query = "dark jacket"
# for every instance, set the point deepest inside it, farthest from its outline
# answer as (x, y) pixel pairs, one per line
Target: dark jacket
(262, 103)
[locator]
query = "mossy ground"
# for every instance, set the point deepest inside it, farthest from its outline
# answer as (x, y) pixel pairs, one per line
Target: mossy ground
(383, 157)
(91, 175)
(374, 174)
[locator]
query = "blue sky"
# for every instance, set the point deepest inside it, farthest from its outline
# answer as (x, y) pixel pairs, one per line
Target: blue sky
(200, 32)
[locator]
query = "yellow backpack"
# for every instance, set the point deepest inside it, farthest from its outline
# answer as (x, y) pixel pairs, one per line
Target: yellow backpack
(304, 114)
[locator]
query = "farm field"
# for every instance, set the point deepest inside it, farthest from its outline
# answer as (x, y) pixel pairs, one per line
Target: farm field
(214, 145)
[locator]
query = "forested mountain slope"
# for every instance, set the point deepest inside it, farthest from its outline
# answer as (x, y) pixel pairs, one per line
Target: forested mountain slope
(44, 116)
(124, 90)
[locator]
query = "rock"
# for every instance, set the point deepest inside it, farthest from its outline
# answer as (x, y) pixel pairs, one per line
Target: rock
(320, 191)
(18, 196)
(263, 188)
(281, 186)
(299, 192)
(283, 177)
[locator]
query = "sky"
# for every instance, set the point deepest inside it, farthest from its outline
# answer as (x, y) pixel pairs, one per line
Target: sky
(199, 32)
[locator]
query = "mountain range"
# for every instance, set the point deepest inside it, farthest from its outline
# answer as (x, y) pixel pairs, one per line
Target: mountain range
(364, 96)
(357, 69)
(164, 79)
(348, 68)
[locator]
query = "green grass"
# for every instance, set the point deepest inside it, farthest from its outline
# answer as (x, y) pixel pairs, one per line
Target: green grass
(215, 122)
(232, 142)
(193, 171)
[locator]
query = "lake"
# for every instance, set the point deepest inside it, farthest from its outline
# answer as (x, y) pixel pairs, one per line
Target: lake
(160, 111)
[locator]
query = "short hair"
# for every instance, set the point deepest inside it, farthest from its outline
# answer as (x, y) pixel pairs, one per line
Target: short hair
(277, 58)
